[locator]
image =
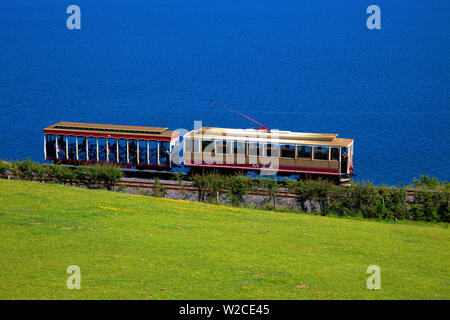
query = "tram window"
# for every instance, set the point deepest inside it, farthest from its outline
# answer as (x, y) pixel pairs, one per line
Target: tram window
(272, 150)
(335, 154)
(50, 146)
(196, 145)
(224, 147)
(287, 151)
(254, 149)
(239, 148)
(320, 153)
(208, 146)
(188, 145)
(304, 152)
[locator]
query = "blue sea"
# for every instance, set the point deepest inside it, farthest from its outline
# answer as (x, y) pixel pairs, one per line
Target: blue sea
(309, 66)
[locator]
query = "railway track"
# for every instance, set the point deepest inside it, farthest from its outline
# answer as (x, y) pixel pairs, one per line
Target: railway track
(188, 186)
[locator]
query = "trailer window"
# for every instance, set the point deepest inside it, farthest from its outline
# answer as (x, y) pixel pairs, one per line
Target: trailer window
(132, 151)
(102, 149)
(82, 148)
(122, 151)
(112, 150)
(335, 154)
(50, 143)
(61, 143)
(153, 152)
(72, 152)
(287, 151)
(304, 152)
(164, 153)
(142, 151)
(320, 153)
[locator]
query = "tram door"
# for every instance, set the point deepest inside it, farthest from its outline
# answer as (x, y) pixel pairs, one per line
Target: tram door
(344, 160)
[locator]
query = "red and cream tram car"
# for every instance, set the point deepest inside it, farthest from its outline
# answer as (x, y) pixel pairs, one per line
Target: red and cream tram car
(126, 146)
(283, 152)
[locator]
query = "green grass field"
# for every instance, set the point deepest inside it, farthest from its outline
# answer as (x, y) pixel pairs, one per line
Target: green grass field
(136, 247)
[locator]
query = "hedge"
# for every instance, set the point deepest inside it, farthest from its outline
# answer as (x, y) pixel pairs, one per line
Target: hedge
(97, 176)
(431, 199)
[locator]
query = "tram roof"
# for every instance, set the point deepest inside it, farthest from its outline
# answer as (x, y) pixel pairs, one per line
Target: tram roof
(78, 127)
(283, 137)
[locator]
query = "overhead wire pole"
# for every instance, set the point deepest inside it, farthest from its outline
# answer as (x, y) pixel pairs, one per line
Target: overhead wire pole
(262, 127)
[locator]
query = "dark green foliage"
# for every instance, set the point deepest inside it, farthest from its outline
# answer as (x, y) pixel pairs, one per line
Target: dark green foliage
(309, 191)
(431, 206)
(199, 181)
(109, 176)
(59, 174)
(425, 182)
(368, 201)
(5, 167)
(237, 187)
(209, 186)
(98, 176)
(158, 190)
(179, 176)
(271, 188)
(24, 169)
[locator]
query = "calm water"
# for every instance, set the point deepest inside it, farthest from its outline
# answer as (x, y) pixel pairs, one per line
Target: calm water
(308, 66)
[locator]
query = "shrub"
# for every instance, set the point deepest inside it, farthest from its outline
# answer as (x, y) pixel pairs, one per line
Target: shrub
(158, 190)
(87, 176)
(121, 188)
(309, 191)
(237, 187)
(5, 167)
(214, 185)
(60, 174)
(199, 181)
(209, 186)
(108, 176)
(425, 182)
(179, 176)
(25, 169)
(434, 205)
(42, 173)
(270, 188)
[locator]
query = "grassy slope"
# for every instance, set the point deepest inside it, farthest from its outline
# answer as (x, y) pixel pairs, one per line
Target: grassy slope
(139, 247)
